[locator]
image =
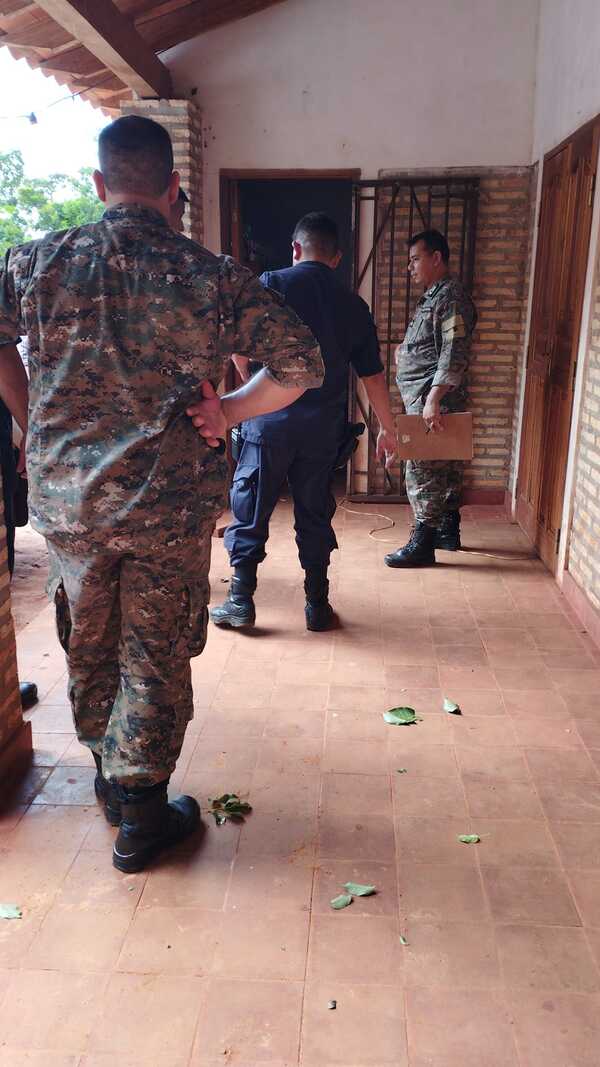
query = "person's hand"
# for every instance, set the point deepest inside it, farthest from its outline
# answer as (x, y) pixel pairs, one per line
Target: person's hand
(387, 446)
(432, 415)
(208, 417)
(21, 462)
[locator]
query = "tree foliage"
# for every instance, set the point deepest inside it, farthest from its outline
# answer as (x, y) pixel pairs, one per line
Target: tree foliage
(31, 207)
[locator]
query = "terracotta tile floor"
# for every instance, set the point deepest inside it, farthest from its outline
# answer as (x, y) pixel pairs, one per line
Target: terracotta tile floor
(229, 953)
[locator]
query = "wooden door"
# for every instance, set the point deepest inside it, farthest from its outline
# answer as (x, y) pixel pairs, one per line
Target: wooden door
(563, 241)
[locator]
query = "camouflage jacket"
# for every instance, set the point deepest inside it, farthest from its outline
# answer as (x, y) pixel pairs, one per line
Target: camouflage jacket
(435, 350)
(125, 320)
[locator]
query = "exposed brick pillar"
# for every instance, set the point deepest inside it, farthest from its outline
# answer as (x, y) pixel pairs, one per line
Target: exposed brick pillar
(183, 120)
(15, 735)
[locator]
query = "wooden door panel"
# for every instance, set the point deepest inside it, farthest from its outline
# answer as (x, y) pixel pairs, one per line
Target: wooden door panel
(563, 242)
(547, 283)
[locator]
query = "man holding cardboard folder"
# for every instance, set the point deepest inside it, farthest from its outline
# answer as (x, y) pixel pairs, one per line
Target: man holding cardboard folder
(431, 366)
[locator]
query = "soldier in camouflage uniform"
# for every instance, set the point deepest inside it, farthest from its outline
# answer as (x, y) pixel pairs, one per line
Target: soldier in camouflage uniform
(129, 323)
(432, 363)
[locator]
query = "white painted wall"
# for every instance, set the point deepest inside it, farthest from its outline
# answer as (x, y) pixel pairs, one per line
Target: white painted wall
(568, 70)
(377, 84)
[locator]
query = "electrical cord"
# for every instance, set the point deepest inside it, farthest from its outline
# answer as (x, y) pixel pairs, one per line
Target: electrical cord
(391, 524)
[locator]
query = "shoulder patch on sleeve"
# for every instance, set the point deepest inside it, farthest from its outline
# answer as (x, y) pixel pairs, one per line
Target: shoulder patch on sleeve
(453, 327)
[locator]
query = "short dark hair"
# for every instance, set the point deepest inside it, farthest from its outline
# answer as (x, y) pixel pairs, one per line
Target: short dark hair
(182, 195)
(434, 241)
(136, 156)
(318, 233)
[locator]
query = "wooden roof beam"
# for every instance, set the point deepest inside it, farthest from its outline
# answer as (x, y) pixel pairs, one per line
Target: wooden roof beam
(114, 40)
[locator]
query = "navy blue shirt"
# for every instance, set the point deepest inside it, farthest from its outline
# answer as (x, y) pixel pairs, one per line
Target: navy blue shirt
(343, 326)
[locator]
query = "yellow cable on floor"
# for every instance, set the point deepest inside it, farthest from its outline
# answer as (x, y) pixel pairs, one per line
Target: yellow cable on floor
(391, 523)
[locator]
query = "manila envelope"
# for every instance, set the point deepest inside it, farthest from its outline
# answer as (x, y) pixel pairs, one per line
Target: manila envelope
(415, 441)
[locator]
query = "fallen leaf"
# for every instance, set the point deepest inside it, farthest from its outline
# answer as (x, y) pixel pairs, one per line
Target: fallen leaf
(10, 911)
(358, 890)
(229, 807)
(469, 839)
(340, 902)
(451, 707)
(403, 940)
(400, 716)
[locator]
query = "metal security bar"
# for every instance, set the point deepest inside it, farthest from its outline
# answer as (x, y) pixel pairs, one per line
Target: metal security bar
(387, 213)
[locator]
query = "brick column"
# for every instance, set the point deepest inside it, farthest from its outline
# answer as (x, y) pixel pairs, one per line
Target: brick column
(183, 120)
(15, 735)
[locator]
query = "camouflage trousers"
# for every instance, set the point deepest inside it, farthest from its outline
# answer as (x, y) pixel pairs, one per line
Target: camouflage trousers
(433, 486)
(129, 624)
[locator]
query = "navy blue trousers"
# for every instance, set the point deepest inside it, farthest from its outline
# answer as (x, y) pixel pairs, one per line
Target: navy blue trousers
(257, 483)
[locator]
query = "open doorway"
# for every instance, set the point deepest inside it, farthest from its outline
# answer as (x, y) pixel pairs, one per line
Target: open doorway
(259, 210)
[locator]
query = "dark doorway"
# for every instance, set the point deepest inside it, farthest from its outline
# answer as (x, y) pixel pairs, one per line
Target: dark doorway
(269, 210)
(259, 212)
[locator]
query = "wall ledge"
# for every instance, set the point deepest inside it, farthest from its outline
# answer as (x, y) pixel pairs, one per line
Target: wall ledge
(15, 760)
(583, 608)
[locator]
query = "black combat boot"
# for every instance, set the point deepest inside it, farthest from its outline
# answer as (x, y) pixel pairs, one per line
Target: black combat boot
(238, 609)
(29, 695)
(448, 532)
(107, 794)
(318, 611)
(149, 823)
(418, 551)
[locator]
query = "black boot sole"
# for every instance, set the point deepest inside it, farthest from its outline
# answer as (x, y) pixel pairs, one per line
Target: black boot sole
(233, 621)
(137, 861)
(405, 566)
(319, 626)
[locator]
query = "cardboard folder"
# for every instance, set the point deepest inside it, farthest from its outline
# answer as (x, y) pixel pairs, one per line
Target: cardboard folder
(415, 441)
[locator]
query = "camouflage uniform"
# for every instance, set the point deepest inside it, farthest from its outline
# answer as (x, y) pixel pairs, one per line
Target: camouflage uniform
(435, 351)
(126, 319)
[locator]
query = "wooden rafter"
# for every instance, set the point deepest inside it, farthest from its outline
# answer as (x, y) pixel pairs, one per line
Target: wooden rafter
(164, 30)
(114, 40)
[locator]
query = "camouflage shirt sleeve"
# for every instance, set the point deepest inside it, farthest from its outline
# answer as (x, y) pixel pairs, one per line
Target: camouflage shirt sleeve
(9, 307)
(454, 327)
(267, 330)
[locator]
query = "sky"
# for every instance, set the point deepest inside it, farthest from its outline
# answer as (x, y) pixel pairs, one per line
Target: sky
(65, 137)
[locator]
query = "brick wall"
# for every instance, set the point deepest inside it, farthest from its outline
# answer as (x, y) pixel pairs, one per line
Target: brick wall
(584, 547)
(11, 718)
(183, 120)
(502, 255)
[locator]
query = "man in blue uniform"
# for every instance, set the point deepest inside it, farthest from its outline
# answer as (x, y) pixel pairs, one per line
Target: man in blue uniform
(302, 442)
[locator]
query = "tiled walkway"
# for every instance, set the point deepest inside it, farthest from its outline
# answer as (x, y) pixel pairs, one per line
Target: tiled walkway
(230, 954)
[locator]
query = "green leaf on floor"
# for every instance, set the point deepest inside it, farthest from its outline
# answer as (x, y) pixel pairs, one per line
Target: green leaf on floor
(229, 808)
(451, 707)
(469, 839)
(403, 940)
(340, 902)
(402, 770)
(358, 890)
(10, 911)
(400, 716)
